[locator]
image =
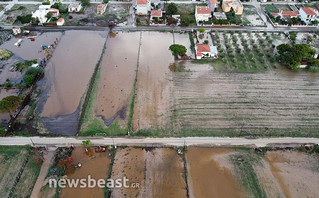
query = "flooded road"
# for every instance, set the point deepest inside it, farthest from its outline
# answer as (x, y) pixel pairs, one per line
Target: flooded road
(66, 78)
(208, 177)
(117, 77)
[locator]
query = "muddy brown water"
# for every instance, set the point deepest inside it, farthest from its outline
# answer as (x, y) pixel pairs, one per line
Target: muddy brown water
(207, 178)
(152, 92)
(96, 166)
(117, 76)
(67, 76)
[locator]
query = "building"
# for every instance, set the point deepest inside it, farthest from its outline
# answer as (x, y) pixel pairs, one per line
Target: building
(60, 22)
(286, 14)
(205, 51)
(220, 15)
(142, 7)
(16, 30)
(101, 8)
(75, 7)
(237, 6)
(212, 4)
(54, 12)
(308, 14)
(40, 14)
(156, 14)
(203, 13)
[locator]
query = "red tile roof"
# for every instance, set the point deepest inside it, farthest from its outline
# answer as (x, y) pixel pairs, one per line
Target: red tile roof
(202, 48)
(60, 20)
(100, 6)
(141, 2)
(53, 10)
(275, 14)
(309, 11)
(213, 2)
(203, 10)
(288, 14)
(156, 13)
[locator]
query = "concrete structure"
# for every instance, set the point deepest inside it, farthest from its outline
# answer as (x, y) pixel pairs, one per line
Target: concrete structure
(308, 14)
(41, 13)
(156, 14)
(203, 13)
(54, 12)
(60, 22)
(205, 50)
(220, 15)
(212, 4)
(75, 7)
(235, 4)
(142, 7)
(101, 8)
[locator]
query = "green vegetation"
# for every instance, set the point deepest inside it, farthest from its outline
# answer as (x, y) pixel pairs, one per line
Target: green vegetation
(22, 66)
(233, 18)
(5, 54)
(25, 19)
(9, 104)
(85, 2)
(28, 80)
(63, 9)
(171, 9)
(187, 20)
(191, 39)
(86, 143)
(243, 163)
(291, 56)
(178, 50)
(271, 8)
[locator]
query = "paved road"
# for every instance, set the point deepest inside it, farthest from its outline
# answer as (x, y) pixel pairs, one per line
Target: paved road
(211, 141)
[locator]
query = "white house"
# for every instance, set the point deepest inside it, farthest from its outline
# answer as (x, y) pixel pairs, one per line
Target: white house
(101, 8)
(308, 14)
(16, 30)
(212, 4)
(41, 13)
(60, 22)
(202, 13)
(142, 7)
(75, 7)
(205, 50)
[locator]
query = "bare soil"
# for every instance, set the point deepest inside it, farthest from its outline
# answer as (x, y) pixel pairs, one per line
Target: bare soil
(96, 165)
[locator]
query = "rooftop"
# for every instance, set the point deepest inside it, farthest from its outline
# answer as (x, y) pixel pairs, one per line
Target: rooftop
(203, 10)
(309, 11)
(156, 13)
(141, 2)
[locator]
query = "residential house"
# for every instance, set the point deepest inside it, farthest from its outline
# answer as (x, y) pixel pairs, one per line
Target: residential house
(286, 14)
(54, 12)
(212, 4)
(75, 7)
(237, 6)
(101, 8)
(205, 50)
(41, 13)
(156, 14)
(203, 13)
(142, 7)
(60, 22)
(16, 30)
(308, 14)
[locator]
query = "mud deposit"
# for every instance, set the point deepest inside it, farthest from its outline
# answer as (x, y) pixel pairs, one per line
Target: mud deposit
(296, 172)
(208, 177)
(4, 93)
(97, 166)
(153, 86)
(129, 163)
(66, 80)
(117, 77)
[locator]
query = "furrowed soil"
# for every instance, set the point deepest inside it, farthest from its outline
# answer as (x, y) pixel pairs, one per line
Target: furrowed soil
(271, 103)
(117, 78)
(129, 163)
(164, 174)
(152, 103)
(94, 164)
(211, 177)
(296, 172)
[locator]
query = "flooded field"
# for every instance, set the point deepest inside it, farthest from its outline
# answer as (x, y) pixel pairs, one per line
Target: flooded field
(117, 77)
(94, 164)
(67, 76)
(209, 174)
(152, 91)
(129, 162)
(268, 103)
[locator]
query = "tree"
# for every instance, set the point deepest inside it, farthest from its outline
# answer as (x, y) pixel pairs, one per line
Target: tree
(202, 30)
(34, 71)
(105, 1)
(28, 80)
(86, 143)
(85, 2)
(186, 20)
(206, 42)
(9, 104)
(178, 50)
(171, 9)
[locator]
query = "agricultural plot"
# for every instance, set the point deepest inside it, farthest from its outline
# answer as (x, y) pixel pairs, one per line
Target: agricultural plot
(251, 17)
(112, 95)
(67, 76)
